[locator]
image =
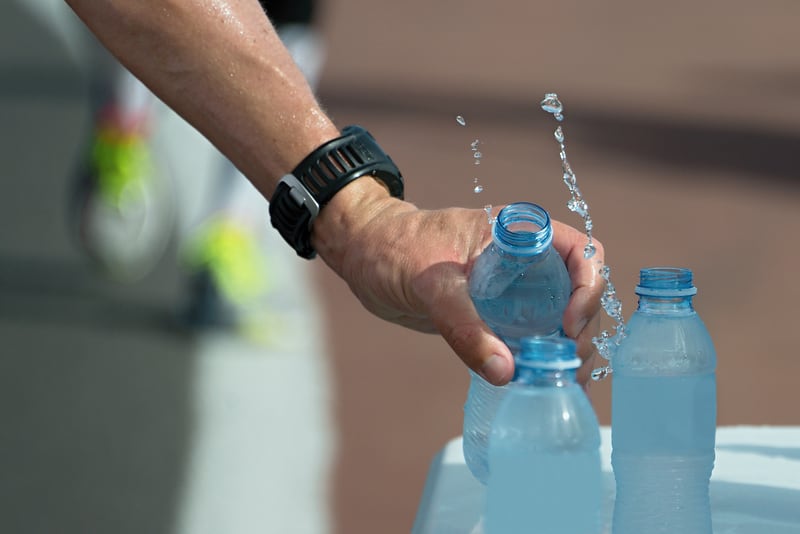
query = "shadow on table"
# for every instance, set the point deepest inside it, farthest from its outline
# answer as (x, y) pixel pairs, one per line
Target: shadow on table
(752, 509)
(789, 453)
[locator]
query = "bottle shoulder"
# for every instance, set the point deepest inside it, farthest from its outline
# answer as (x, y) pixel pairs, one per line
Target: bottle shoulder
(545, 418)
(496, 272)
(665, 343)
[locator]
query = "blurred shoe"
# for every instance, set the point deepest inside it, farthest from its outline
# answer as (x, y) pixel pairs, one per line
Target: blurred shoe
(124, 204)
(230, 282)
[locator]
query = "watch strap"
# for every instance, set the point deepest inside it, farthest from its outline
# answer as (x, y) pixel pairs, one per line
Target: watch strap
(300, 196)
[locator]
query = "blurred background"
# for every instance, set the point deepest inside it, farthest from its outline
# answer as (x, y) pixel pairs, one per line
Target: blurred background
(682, 124)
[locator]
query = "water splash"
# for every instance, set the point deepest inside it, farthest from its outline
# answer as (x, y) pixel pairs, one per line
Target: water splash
(606, 343)
(576, 204)
(601, 373)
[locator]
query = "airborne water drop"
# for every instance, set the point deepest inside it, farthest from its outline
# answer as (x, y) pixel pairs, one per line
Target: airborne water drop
(552, 104)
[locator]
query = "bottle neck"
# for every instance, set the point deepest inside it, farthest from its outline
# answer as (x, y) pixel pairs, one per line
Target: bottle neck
(678, 305)
(545, 377)
(546, 362)
(522, 229)
(666, 290)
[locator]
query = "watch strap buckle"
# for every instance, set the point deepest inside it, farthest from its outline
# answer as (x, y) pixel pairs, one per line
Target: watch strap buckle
(301, 195)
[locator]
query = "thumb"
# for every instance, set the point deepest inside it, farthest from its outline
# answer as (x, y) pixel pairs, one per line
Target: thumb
(454, 316)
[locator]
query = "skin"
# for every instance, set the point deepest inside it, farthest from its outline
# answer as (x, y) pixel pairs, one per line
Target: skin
(221, 66)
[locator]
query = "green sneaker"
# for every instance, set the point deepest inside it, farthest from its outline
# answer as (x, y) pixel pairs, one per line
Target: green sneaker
(231, 282)
(125, 205)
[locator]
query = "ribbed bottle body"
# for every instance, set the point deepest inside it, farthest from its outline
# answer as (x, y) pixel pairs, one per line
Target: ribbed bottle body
(544, 455)
(664, 415)
(520, 288)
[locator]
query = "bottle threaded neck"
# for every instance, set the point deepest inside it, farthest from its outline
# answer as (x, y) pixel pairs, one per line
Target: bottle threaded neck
(666, 282)
(551, 353)
(523, 229)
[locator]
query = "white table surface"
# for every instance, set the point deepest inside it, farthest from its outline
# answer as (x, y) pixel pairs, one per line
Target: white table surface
(755, 486)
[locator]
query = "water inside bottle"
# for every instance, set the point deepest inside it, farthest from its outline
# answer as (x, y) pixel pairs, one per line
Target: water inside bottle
(606, 342)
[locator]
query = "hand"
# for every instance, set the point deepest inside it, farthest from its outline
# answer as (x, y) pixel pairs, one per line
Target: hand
(411, 266)
(582, 316)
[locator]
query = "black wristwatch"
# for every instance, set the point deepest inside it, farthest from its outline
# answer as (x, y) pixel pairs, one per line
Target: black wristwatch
(301, 195)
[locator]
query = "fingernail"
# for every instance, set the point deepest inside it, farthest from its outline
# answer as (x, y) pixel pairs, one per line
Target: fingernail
(495, 370)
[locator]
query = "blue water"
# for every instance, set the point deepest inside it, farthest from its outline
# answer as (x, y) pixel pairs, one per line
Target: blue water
(545, 493)
(518, 298)
(663, 453)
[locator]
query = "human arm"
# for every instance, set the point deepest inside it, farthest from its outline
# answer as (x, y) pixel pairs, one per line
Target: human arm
(222, 67)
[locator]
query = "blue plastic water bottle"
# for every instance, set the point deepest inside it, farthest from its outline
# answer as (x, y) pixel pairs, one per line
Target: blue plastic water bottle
(544, 448)
(664, 411)
(520, 287)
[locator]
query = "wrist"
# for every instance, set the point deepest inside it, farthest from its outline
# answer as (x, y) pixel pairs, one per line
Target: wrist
(345, 218)
(321, 176)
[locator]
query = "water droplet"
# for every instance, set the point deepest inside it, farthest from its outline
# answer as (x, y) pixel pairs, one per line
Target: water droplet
(461, 120)
(621, 332)
(559, 117)
(601, 373)
(488, 209)
(613, 308)
(474, 144)
(552, 104)
(579, 206)
(478, 189)
(559, 134)
(589, 250)
(477, 155)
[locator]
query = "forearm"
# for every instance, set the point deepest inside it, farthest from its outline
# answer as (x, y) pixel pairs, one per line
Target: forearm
(221, 66)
